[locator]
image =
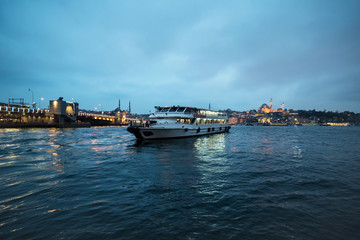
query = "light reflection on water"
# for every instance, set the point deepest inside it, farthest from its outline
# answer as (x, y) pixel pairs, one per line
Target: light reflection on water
(253, 183)
(210, 144)
(211, 151)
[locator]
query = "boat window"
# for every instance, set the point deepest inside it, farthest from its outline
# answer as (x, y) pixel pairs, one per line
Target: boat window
(173, 109)
(164, 109)
(158, 109)
(188, 110)
(180, 109)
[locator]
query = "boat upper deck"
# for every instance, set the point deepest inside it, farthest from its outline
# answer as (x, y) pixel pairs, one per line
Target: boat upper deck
(186, 112)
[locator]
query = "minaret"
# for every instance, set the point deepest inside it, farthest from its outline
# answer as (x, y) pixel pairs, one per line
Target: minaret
(271, 104)
(119, 105)
(129, 107)
(283, 106)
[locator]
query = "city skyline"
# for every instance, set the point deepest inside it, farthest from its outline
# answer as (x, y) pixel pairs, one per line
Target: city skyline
(236, 54)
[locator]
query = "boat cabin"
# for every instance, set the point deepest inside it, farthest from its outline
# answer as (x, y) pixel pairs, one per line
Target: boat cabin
(188, 115)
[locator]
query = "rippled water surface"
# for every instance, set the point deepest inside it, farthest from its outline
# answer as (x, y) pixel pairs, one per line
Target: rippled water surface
(252, 183)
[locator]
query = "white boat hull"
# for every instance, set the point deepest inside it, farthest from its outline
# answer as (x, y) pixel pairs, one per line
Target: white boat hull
(168, 132)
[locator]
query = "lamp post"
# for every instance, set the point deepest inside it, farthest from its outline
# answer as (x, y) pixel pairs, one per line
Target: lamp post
(32, 98)
(102, 111)
(41, 99)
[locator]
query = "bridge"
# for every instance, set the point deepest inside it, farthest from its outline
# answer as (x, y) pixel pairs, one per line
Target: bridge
(24, 115)
(97, 119)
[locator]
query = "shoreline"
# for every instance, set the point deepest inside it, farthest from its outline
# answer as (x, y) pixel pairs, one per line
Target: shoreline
(45, 125)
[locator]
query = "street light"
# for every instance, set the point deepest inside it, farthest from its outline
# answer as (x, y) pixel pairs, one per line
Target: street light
(42, 99)
(32, 98)
(102, 111)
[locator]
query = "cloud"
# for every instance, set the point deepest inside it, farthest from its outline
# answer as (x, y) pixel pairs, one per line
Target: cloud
(234, 54)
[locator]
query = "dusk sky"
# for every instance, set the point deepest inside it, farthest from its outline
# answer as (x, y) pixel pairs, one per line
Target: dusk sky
(231, 54)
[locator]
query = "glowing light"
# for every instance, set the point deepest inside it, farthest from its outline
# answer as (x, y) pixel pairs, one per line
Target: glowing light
(339, 124)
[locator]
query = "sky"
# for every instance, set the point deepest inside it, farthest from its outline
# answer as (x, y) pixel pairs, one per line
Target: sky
(230, 54)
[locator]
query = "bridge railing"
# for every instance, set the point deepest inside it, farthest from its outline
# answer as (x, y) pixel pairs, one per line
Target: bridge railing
(22, 110)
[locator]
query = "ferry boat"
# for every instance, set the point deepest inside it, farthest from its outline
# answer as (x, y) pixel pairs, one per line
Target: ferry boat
(178, 122)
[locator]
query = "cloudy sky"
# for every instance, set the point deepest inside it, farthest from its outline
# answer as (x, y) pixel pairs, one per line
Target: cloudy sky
(232, 54)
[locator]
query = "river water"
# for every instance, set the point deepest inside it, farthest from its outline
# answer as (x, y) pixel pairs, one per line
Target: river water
(252, 183)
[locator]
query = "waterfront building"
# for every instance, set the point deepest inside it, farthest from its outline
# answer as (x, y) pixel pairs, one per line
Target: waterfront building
(64, 112)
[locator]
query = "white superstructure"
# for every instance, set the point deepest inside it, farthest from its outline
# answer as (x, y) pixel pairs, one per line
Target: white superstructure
(176, 122)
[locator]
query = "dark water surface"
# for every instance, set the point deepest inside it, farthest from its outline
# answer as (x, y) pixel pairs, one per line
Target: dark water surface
(252, 183)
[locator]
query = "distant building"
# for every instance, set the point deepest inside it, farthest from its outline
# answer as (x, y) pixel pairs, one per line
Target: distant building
(269, 109)
(236, 120)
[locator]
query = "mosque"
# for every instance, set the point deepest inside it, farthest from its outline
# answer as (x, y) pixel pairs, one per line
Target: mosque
(268, 109)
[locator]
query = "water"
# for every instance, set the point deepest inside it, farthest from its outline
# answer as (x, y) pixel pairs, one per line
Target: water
(252, 183)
